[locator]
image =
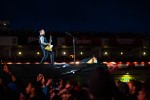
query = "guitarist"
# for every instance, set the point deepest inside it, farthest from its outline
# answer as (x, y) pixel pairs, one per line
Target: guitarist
(43, 44)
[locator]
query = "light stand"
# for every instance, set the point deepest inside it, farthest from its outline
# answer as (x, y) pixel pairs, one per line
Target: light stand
(74, 51)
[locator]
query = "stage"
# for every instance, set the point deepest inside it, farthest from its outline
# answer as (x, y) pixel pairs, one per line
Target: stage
(80, 72)
(28, 72)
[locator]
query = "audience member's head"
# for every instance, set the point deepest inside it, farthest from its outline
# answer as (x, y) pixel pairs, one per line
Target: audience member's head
(123, 88)
(42, 32)
(134, 86)
(101, 84)
(144, 94)
(33, 90)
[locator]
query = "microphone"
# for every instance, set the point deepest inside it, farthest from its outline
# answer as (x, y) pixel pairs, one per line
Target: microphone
(68, 33)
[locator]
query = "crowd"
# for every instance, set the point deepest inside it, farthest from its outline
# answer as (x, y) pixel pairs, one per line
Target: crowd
(100, 86)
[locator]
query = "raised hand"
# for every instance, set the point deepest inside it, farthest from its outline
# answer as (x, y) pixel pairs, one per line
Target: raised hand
(6, 69)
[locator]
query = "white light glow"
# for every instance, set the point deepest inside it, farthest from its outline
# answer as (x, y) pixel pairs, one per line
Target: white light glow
(19, 52)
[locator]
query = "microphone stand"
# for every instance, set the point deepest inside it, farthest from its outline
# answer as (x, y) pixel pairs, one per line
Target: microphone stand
(74, 51)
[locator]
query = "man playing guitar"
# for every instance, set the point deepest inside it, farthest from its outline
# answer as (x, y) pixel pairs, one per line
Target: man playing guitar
(46, 47)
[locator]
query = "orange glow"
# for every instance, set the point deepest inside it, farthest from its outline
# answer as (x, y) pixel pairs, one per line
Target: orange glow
(128, 63)
(120, 62)
(142, 62)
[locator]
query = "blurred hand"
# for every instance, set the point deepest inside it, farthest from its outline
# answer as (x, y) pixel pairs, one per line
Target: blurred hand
(22, 97)
(39, 77)
(49, 81)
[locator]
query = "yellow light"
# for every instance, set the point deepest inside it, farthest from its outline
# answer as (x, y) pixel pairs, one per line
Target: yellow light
(64, 53)
(125, 78)
(19, 53)
(72, 56)
(121, 53)
(38, 53)
(77, 62)
(144, 53)
(105, 53)
(81, 53)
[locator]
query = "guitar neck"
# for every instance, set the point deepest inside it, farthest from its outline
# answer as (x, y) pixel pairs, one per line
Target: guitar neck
(50, 39)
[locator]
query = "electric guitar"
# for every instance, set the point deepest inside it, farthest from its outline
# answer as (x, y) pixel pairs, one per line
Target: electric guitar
(50, 46)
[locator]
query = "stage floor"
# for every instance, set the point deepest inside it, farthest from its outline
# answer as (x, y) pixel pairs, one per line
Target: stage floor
(80, 72)
(64, 71)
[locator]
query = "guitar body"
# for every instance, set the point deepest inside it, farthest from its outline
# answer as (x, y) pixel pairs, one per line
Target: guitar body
(49, 47)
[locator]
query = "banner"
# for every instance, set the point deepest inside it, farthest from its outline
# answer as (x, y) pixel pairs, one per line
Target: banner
(125, 42)
(83, 41)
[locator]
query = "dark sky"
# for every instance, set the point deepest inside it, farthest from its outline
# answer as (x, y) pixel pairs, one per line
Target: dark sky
(78, 15)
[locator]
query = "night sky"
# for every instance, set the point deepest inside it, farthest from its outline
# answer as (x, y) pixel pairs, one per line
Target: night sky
(78, 15)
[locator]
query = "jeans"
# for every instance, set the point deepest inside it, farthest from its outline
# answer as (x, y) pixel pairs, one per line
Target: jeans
(45, 55)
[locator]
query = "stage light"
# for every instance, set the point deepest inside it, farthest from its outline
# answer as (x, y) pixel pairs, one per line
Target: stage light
(27, 63)
(120, 62)
(128, 63)
(36, 63)
(18, 63)
(66, 65)
(46, 63)
(126, 78)
(142, 62)
(77, 62)
(73, 71)
(9, 63)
